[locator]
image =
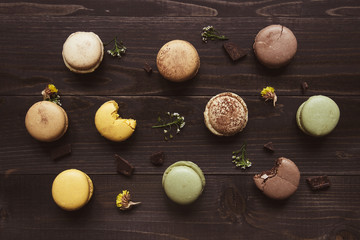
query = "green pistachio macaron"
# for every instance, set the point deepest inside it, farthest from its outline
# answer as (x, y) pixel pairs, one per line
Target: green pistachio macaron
(318, 116)
(183, 182)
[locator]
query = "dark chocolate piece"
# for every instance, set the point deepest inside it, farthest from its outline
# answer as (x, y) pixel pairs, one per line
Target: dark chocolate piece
(59, 152)
(123, 166)
(304, 86)
(147, 68)
(318, 182)
(234, 51)
(269, 146)
(3, 213)
(157, 158)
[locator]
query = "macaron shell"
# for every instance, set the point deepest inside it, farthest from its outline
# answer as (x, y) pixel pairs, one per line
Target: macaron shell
(72, 189)
(226, 114)
(178, 61)
(183, 182)
(83, 52)
(110, 125)
(319, 115)
(275, 46)
(46, 121)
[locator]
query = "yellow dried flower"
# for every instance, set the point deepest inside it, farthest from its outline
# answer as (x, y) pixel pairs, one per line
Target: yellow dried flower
(268, 93)
(52, 88)
(123, 200)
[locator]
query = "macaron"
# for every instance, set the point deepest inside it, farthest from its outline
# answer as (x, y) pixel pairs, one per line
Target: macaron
(110, 125)
(281, 181)
(72, 189)
(183, 182)
(275, 46)
(226, 114)
(46, 121)
(178, 61)
(83, 52)
(318, 116)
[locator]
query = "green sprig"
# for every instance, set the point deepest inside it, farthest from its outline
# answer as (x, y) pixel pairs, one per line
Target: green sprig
(240, 159)
(118, 50)
(209, 32)
(171, 120)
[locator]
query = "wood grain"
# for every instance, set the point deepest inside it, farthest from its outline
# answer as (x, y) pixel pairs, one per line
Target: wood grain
(231, 207)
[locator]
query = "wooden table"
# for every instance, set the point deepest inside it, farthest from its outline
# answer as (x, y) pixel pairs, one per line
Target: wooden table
(231, 207)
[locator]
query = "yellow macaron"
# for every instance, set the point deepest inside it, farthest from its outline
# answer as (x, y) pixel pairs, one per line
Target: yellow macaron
(46, 121)
(72, 189)
(110, 125)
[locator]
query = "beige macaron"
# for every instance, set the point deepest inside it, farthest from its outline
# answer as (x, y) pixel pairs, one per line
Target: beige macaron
(83, 52)
(46, 121)
(275, 46)
(178, 61)
(226, 114)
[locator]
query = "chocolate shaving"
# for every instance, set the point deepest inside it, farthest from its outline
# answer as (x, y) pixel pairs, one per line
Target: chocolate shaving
(123, 166)
(318, 182)
(59, 152)
(234, 51)
(304, 86)
(269, 146)
(147, 68)
(157, 158)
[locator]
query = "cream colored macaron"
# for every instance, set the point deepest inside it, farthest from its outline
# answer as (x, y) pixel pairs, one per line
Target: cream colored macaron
(178, 61)
(72, 189)
(46, 121)
(226, 114)
(110, 125)
(83, 52)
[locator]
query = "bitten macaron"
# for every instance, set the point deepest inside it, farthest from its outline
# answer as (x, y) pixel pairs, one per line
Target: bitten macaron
(281, 181)
(183, 182)
(110, 125)
(275, 46)
(72, 189)
(178, 61)
(226, 114)
(46, 121)
(83, 52)
(318, 116)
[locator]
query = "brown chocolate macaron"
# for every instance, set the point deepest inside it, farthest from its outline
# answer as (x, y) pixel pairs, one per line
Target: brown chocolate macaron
(281, 181)
(46, 121)
(178, 61)
(226, 114)
(275, 46)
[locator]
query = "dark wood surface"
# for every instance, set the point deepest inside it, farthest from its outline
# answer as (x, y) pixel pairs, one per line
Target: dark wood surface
(231, 207)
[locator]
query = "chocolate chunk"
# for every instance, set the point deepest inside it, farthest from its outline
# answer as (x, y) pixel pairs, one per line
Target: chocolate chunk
(269, 146)
(147, 68)
(318, 182)
(234, 51)
(304, 86)
(281, 181)
(123, 166)
(157, 158)
(59, 152)
(3, 214)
